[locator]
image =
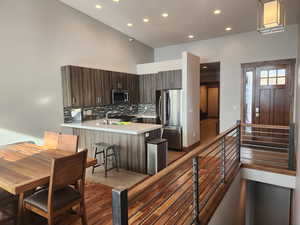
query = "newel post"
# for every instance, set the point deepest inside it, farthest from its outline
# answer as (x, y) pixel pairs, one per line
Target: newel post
(120, 207)
(196, 191)
(292, 147)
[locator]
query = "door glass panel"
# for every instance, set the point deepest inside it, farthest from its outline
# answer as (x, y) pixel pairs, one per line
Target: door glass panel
(272, 73)
(248, 98)
(264, 81)
(272, 81)
(281, 80)
(263, 73)
(281, 73)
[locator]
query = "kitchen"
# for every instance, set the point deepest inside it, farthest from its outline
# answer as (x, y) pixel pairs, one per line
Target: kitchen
(124, 110)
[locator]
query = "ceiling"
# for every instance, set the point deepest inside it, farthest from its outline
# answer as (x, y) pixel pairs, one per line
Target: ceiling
(186, 17)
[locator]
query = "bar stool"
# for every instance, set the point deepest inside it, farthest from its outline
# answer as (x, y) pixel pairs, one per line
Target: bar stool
(107, 151)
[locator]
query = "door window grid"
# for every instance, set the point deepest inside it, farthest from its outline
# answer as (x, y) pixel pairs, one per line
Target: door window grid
(273, 77)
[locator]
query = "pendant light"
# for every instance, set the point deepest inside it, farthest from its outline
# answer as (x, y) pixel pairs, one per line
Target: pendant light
(271, 16)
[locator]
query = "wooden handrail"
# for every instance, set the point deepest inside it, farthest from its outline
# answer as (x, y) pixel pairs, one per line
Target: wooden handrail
(265, 126)
(136, 190)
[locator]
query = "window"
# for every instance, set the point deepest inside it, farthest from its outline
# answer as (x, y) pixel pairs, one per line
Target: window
(272, 77)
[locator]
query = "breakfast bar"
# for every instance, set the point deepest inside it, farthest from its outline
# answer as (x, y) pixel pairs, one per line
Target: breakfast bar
(129, 138)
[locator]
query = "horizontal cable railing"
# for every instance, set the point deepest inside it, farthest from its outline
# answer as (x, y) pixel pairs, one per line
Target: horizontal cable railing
(268, 145)
(183, 192)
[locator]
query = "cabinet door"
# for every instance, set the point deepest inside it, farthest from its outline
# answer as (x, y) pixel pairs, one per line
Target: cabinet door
(178, 79)
(159, 81)
(107, 87)
(66, 86)
(133, 88)
(141, 87)
(170, 79)
(119, 80)
(76, 77)
(88, 87)
(99, 87)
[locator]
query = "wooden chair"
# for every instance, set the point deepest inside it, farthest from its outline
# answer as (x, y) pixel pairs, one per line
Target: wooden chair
(60, 197)
(51, 139)
(68, 142)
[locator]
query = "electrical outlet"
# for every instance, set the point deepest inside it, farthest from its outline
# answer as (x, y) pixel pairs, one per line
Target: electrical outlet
(147, 135)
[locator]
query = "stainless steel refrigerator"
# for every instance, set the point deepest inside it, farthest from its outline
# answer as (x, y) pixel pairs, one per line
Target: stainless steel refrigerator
(168, 109)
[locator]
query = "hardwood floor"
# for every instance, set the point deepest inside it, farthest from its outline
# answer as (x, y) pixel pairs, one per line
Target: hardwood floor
(264, 157)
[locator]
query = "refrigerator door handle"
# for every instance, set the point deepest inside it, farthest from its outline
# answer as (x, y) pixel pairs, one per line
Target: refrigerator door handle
(169, 108)
(160, 109)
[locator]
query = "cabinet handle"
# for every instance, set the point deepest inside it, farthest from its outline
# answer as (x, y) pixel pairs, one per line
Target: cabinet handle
(73, 100)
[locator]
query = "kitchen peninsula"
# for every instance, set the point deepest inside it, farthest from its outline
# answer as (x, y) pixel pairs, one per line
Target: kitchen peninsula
(130, 139)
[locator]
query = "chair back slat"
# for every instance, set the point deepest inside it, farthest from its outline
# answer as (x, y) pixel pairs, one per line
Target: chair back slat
(67, 142)
(51, 139)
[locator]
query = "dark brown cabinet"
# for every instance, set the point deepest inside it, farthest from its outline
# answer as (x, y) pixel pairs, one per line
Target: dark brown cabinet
(169, 80)
(76, 79)
(148, 88)
(133, 86)
(150, 83)
(84, 87)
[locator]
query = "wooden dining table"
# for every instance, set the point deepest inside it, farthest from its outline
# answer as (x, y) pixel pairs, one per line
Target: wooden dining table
(25, 166)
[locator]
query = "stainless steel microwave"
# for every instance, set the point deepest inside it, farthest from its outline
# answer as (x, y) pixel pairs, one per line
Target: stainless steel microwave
(120, 96)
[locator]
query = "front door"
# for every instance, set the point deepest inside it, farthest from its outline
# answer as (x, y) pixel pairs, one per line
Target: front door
(268, 92)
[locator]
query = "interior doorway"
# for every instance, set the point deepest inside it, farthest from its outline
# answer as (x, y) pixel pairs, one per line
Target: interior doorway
(209, 100)
(268, 92)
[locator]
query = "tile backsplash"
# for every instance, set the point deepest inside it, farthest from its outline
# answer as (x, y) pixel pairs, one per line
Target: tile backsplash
(99, 112)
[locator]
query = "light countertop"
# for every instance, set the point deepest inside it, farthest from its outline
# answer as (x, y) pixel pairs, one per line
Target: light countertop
(146, 116)
(131, 128)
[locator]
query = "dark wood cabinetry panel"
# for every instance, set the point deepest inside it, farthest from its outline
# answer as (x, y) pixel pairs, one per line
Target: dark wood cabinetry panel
(107, 87)
(133, 88)
(76, 78)
(93, 87)
(88, 87)
(119, 80)
(99, 87)
(170, 79)
(150, 83)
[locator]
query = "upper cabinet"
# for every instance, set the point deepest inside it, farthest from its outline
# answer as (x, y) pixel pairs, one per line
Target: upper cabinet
(102, 87)
(169, 80)
(84, 87)
(150, 83)
(133, 86)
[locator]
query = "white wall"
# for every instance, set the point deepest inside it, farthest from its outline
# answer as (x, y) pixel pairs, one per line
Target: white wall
(228, 211)
(37, 38)
(231, 51)
(155, 67)
(190, 99)
(297, 191)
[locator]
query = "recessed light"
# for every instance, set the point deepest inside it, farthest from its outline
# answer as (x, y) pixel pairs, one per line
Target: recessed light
(217, 11)
(191, 36)
(228, 28)
(165, 15)
(99, 6)
(129, 24)
(116, 0)
(146, 20)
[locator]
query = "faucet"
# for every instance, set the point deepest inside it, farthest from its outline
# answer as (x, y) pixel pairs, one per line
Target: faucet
(107, 114)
